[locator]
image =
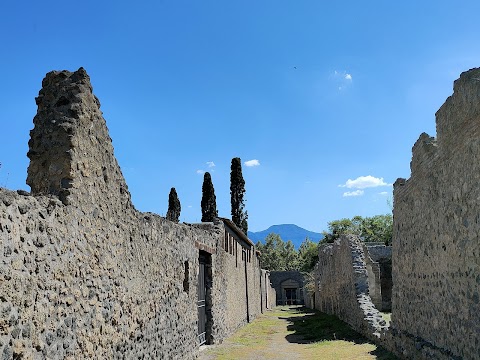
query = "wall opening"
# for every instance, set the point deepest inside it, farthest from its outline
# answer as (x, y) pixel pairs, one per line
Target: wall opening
(289, 293)
(186, 284)
(386, 283)
(204, 298)
(244, 257)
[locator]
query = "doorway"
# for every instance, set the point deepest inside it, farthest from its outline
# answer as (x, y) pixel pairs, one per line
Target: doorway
(290, 296)
(204, 298)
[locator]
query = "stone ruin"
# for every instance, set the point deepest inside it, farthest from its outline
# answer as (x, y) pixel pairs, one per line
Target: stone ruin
(343, 283)
(435, 298)
(436, 234)
(83, 274)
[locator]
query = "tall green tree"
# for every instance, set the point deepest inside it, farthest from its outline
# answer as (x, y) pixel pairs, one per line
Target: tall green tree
(378, 228)
(237, 192)
(270, 252)
(341, 227)
(209, 201)
(277, 255)
(174, 207)
(307, 255)
(290, 256)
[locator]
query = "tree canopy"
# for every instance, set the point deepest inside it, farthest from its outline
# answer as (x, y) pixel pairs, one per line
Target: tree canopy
(209, 202)
(378, 228)
(237, 192)
(174, 208)
(278, 255)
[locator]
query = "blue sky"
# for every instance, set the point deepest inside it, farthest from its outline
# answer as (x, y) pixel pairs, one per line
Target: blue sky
(328, 97)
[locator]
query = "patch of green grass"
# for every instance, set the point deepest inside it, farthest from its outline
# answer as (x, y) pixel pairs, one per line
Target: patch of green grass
(252, 336)
(327, 330)
(302, 333)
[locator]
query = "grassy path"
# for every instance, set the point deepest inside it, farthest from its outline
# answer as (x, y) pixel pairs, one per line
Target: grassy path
(295, 333)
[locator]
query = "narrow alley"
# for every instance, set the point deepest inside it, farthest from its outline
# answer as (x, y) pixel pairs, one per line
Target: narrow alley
(291, 332)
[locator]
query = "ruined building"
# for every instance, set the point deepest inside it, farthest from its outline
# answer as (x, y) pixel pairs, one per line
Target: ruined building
(83, 274)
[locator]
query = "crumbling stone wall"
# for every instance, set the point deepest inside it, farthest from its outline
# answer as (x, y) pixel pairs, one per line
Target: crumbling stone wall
(82, 273)
(436, 247)
(378, 258)
(341, 286)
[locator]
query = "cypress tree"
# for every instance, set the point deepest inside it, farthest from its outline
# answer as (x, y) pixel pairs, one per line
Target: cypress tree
(209, 201)
(237, 191)
(174, 208)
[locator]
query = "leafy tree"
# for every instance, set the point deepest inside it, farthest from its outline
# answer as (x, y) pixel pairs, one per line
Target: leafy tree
(174, 208)
(271, 258)
(290, 256)
(341, 227)
(378, 228)
(237, 191)
(277, 255)
(308, 255)
(209, 202)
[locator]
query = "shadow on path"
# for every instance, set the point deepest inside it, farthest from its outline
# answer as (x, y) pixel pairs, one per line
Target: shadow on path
(311, 326)
(295, 333)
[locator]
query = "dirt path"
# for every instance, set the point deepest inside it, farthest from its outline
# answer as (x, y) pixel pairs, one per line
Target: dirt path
(294, 333)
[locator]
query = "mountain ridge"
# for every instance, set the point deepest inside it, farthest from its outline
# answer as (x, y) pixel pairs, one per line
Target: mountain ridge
(287, 232)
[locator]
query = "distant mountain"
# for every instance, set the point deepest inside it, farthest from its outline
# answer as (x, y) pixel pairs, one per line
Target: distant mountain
(286, 232)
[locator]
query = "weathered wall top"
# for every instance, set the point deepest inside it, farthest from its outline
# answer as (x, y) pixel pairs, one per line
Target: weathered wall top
(70, 151)
(454, 118)
(83, 275)
(435, 235)
(379, 251)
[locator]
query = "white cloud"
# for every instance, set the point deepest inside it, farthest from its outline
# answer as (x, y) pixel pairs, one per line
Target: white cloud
(384, 193)
(201, 172)
(363, 182)
(189, 206)
(342, 80)
(210, 164)
(353, 193)
(253, 162)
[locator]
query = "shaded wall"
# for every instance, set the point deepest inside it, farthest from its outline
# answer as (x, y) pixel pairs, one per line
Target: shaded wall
(269, 295)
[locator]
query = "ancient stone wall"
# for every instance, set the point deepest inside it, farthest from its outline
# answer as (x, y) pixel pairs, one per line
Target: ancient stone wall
(253, 286)
(378, 261)
(268, 292)
(341, 286)
(85, 275)
(436, 247)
